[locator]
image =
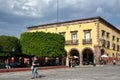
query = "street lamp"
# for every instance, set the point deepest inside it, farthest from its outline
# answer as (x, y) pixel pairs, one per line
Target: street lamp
(13, 50)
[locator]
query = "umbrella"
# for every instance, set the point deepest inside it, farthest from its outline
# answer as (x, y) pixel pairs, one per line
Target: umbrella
(76, 57)
(104, 55)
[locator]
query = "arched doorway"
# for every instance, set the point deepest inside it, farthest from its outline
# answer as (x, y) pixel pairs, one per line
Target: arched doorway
(74, 54)
(88, 57)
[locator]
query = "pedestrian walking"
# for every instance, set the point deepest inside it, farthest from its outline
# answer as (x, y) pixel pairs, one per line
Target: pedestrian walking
(34, 68)
(114, 62)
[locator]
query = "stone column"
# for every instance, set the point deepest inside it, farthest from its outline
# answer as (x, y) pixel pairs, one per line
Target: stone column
(81, 59)
(67, 59)
(97, 54)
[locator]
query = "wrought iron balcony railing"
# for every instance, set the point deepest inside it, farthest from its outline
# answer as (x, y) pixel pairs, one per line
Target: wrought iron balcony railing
(87, 41)
(71, 42)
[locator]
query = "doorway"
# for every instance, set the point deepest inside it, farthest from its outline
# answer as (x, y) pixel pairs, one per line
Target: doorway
(88, 57)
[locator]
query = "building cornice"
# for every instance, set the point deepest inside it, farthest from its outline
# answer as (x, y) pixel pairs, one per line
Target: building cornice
(109, 24)
(72, 22)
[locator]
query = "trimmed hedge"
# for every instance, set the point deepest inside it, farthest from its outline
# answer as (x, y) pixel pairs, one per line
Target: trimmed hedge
(42, 44)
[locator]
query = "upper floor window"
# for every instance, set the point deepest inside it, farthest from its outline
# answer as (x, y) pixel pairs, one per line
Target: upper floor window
(103, 43)
(87, 35)
(118, 47)
(113, 38)
(103, 33)
(74, 37)
(113, 45)
(108, 35)
(117, 39)
(113, 55)
(108, 44)
(62, 33)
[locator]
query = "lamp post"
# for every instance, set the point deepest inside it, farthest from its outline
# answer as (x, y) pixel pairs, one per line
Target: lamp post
(71, 61)
(13, 50)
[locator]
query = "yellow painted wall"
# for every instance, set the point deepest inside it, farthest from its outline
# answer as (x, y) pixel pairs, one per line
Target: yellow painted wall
(112, 32)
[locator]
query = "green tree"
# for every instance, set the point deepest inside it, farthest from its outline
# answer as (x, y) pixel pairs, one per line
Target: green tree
(42, 44)
(9, 45)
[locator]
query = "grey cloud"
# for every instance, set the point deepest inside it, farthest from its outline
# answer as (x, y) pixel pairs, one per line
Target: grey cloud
(20, 14)
(39, 8)
(96, 7)
(30, 8)
(46, 9)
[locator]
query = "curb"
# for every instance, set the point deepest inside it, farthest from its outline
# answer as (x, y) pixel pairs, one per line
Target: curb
(29, 69)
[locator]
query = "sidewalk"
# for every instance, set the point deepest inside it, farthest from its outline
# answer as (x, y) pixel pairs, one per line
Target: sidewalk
(28, 69)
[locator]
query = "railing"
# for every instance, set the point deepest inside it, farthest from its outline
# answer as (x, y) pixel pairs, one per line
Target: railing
(71, 42)
(103, 42)
(108, 44)
(113, 46)
(87, 41)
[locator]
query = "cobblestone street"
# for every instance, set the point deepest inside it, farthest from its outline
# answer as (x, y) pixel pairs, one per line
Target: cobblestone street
(106, 72)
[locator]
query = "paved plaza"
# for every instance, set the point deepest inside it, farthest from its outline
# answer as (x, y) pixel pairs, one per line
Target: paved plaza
(106, 72)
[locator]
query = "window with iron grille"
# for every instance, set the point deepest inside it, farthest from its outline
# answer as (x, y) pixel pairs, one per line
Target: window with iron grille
(103, 43)
(108, 35)
(113, 38)
(103, 33)
(74, 37)
(113, 45)
(117, 39)
(118, 47)
(87, 37)
(108, 44)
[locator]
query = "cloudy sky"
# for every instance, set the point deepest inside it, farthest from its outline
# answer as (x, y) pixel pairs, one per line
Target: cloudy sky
(17, 15)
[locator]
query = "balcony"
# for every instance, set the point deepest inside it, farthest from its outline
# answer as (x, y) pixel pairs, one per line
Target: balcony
(113, 46)
(118, 48)
(87, 41)
(103, 42)
(108, 44)
(71, 42)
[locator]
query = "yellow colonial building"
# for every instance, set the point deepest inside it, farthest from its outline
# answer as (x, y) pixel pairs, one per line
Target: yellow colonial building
(86, 39)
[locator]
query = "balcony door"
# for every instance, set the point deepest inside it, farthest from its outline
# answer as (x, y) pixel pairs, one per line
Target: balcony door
(87, 36)
(74, 37)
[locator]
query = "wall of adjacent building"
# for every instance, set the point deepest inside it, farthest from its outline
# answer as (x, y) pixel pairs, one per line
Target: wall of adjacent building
(112, 32)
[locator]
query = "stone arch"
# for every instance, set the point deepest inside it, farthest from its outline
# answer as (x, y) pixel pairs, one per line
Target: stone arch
(73, 52)
(87, 56)
(75, 55)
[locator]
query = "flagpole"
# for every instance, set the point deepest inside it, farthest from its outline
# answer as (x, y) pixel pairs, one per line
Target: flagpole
(57, 10)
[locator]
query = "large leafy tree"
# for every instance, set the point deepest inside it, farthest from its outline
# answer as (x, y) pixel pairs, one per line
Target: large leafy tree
(9, 46)
(42, 44)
